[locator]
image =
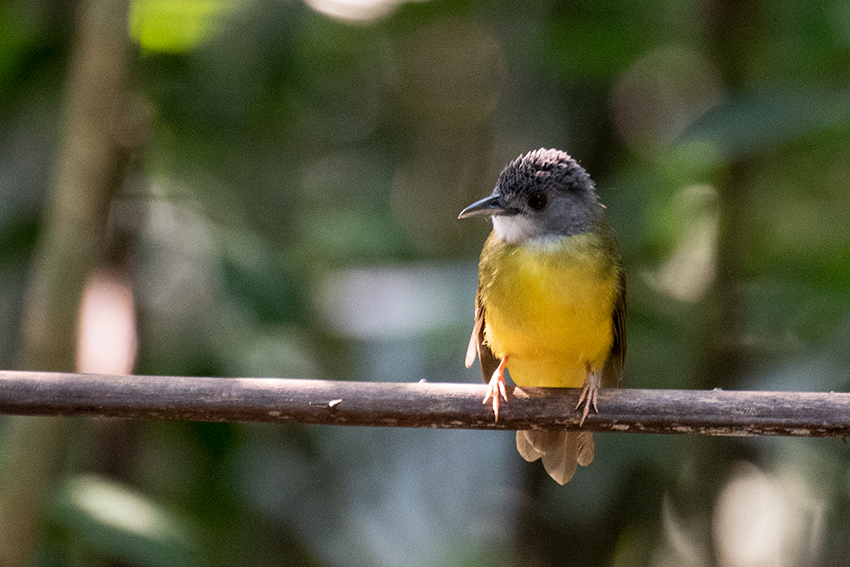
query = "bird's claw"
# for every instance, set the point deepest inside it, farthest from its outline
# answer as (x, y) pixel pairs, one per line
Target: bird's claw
(588, 396)
(496, 387)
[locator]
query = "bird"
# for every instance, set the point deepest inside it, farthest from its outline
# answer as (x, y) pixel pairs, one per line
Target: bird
(550, 308)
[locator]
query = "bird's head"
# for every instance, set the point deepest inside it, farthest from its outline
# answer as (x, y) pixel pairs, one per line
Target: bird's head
(543, 194)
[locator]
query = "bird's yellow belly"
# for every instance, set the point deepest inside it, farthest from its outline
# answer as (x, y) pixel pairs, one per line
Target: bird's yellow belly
(550, 310)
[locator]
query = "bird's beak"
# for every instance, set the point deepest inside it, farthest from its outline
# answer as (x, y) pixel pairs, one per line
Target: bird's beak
(486, 207)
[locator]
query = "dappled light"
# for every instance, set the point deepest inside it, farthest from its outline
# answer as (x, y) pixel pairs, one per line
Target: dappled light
(276, 194)
(355, 10)
(688, 272)
(106, 330)
(660, 94)
(174, 26)
(764, 519)
(126, 521)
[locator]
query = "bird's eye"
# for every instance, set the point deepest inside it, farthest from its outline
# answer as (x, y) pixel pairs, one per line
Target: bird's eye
(538, 201)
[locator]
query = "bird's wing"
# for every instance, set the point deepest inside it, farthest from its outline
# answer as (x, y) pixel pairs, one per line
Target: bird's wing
(612, 372)
(488, 360)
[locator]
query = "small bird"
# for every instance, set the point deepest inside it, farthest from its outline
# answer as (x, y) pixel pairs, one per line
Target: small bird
(551, 301)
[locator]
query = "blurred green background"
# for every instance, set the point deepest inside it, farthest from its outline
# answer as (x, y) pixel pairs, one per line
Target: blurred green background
(286, 206)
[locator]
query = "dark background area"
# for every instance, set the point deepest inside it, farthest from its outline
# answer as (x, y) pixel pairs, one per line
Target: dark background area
(286, 191)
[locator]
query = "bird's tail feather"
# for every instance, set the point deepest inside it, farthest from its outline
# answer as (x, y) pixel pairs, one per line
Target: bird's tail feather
(561, 451)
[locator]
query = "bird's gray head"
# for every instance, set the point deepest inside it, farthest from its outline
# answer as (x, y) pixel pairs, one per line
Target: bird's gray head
(541, 195)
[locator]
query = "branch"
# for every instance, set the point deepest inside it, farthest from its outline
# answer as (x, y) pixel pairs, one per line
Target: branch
(70, 244)
(435, 405)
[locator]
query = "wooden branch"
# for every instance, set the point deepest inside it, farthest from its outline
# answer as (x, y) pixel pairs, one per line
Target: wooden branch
(70, 244)
(424, 404)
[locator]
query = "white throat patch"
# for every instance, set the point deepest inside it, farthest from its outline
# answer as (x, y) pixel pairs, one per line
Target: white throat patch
(514, 229)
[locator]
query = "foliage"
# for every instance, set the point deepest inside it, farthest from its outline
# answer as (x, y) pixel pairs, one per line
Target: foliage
(292, 212)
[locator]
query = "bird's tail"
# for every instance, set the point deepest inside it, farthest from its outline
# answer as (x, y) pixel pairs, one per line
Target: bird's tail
(561, 451)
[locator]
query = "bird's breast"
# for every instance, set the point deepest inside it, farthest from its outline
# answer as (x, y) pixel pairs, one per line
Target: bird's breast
(549, 306)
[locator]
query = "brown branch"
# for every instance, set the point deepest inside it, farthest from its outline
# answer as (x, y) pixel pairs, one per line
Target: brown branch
(85, 178)
(70, 245)
(435, 405)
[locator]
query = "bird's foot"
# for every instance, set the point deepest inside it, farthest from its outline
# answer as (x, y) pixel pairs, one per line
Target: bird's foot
(589, 394)
(496, 387)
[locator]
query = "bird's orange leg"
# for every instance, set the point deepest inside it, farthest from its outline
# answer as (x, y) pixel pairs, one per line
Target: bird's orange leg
(496, 387)
(589, 393)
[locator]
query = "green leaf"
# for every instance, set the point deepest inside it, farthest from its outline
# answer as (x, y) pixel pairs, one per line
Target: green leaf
(116, 521)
